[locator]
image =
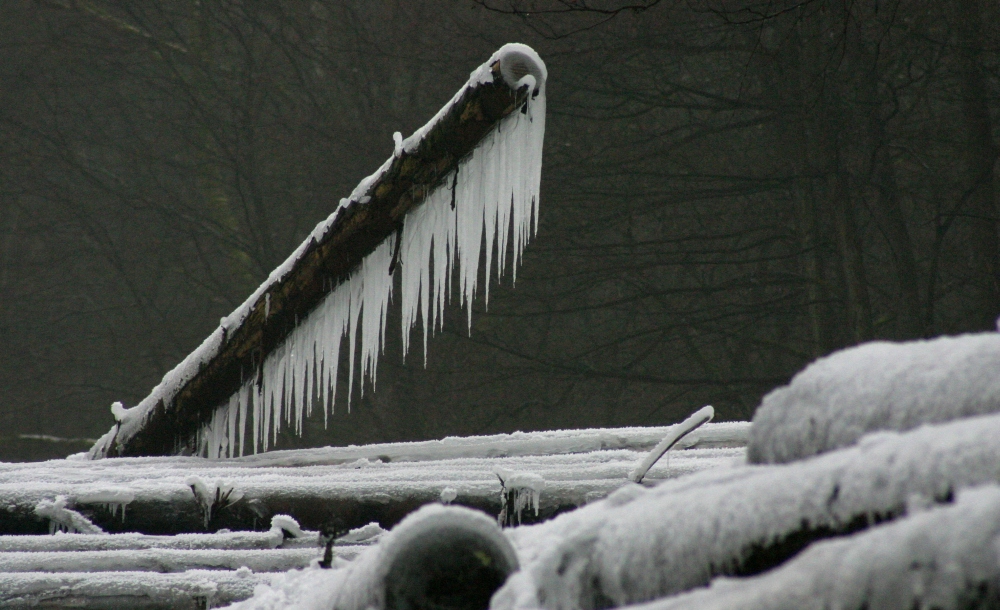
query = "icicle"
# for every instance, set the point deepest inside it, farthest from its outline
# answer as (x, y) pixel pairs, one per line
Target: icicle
(491, 202)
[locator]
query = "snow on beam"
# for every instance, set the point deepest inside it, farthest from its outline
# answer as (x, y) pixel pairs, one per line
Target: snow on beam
(945, 557)
(165, 560)
(358, 492)
(642, 544)
(193, 590)
(131, 541)
(472, 171)
(517, 444)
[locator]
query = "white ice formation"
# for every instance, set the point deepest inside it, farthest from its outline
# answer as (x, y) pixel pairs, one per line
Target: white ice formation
(877, 386)
(64, 519)
(525, 489)
(112, 500)
(488, 210)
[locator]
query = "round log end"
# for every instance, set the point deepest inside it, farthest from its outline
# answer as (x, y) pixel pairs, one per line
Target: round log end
(452, 558)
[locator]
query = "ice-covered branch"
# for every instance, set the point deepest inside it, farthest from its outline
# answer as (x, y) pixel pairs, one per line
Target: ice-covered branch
(697, 419)
(470, 173)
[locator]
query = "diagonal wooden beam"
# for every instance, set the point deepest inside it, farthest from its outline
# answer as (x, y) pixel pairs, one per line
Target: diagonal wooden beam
(169, 424)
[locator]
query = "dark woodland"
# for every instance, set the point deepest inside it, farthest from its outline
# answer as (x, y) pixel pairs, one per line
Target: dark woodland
(729, 191)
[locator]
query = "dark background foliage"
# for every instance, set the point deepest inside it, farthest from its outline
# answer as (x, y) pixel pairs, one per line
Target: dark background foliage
(730, 190)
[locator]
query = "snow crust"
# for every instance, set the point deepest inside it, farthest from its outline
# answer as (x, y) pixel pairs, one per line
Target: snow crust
(640, 544)
(877, 386)
(945, 558)
(496, 188)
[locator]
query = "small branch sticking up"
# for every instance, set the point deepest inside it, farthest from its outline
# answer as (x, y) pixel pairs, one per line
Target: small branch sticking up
(328, 534)
(699, 417)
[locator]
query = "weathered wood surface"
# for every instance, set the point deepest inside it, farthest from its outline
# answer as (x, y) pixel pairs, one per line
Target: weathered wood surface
(170, 428)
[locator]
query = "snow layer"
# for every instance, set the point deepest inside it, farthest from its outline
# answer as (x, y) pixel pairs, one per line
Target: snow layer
(641, 544)
(195, 589)
(494, 195)
(164, 560)
(944, 558)
(64, 519)
(122, 542)
(571, 479)
(877, 386)
(549, 442)
(578, 466)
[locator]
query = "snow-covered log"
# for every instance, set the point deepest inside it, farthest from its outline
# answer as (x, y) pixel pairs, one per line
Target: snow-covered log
(472, 172)
(641, 544)
(357, 484)
(192, 590)
(233, 541)
(945, 557)
(877, 386)
(166, 560)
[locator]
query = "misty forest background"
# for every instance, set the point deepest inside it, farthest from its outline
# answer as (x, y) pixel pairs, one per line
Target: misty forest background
(730, 190)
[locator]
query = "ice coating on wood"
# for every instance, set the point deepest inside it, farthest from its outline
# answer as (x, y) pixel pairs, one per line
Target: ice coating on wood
(63, 519)
(518, 490)
(877, 386)
(698, 418)
(498, 182)
(111, 499)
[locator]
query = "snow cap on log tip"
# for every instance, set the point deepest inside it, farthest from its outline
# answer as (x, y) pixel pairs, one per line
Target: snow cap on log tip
(519, 60)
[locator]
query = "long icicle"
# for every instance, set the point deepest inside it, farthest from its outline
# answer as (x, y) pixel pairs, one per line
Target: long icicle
(491, 203)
